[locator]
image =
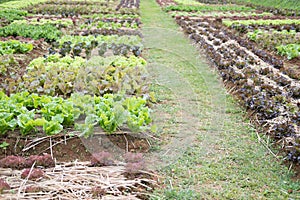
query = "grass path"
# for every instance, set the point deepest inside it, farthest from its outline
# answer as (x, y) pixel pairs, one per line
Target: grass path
(211, 152)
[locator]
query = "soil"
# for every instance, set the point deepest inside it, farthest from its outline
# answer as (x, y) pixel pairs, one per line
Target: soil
(67, 149)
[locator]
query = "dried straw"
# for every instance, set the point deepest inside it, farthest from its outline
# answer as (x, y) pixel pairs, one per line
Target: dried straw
(76, 180)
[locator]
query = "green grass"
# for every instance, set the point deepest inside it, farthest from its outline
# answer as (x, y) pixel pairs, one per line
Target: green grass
(210, 151)
(282, 4)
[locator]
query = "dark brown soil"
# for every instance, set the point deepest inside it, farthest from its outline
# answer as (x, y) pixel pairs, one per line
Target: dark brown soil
(66, 148)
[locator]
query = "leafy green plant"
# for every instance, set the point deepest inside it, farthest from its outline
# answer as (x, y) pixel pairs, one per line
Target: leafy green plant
(68, 10)
(48, 32)
(253, 35)
(290, 50)
(18, 4)
(8, 65)
(4, 145)
(77, 2)
(12, 14)
(115, 74)
(138, 114)
(62, 76)
(113, 111)
(109, 39)
(187, 2)
(52, 75)
(109, 25)
(77, 45)
(35, 21)
(14, 46)
(32, 113)
(117, 61)
(271, 39)
(228, 22)
(56, 60)
(111, 15)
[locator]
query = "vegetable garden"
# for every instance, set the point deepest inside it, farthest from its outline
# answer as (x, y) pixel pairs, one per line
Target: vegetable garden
(257, 55)
(72, 70)
(75, 95)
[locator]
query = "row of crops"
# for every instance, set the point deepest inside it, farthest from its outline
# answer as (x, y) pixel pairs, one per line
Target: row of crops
(71, 65)
(257, 54)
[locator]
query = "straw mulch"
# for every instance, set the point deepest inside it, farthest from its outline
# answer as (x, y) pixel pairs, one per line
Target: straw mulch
(76, 180)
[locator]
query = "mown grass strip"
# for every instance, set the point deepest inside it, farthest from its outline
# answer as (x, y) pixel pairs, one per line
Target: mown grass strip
(225, 161)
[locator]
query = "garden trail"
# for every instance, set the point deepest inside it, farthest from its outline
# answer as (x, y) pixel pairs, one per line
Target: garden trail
(210, 151)
(193, 103)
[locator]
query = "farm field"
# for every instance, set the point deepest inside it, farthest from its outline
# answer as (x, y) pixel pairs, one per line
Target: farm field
(74, 99)
(257, 56)
(150, 99)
